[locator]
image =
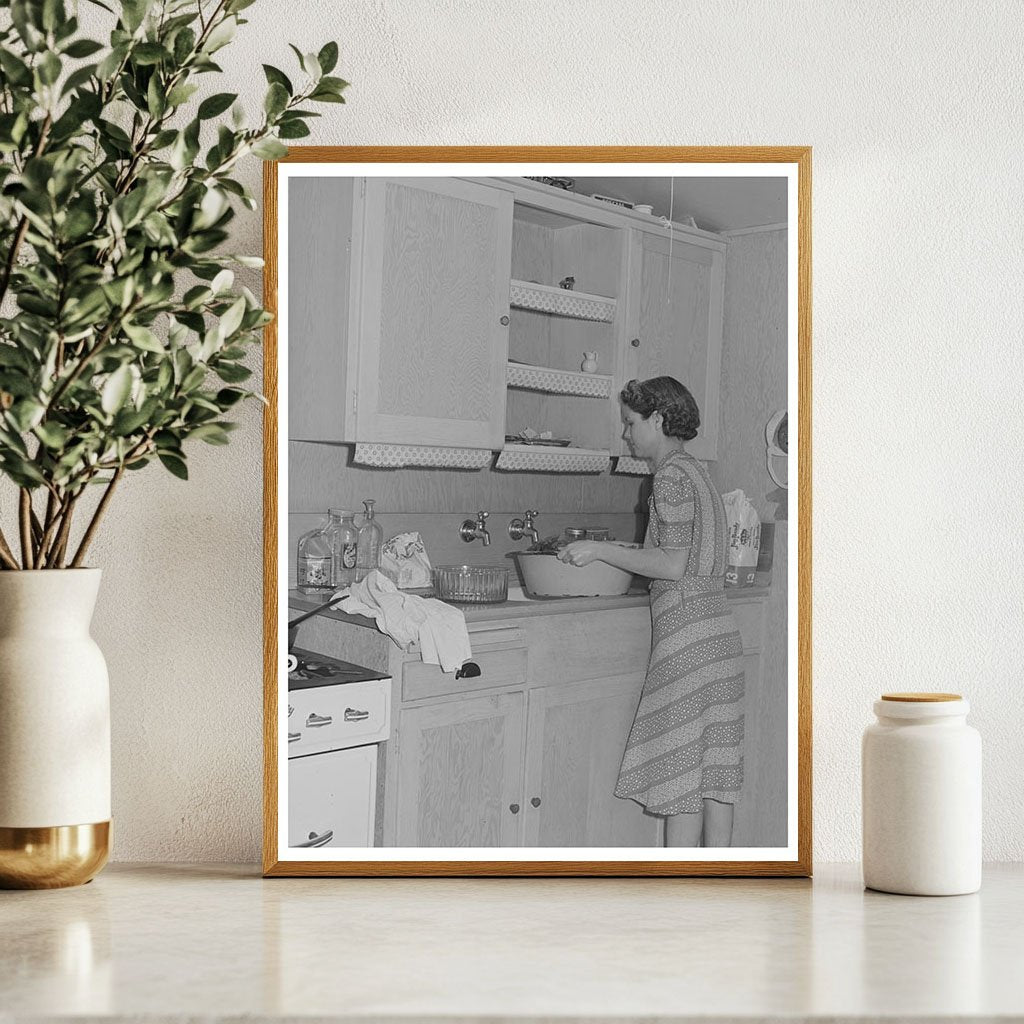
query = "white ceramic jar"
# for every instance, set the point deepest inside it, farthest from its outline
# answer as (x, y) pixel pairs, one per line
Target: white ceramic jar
(921, 778)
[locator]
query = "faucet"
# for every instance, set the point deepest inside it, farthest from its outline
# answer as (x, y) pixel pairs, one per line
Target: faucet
(470, 529)
(519, 528)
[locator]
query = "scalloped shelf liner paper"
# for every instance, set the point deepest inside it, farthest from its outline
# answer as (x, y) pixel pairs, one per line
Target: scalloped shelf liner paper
(627, 464)
(558, 382)
(395, 456)
(562, 460)
(562, 301)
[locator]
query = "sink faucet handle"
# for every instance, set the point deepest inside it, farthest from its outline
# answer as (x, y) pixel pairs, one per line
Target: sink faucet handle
(481, 518)
(529, 515)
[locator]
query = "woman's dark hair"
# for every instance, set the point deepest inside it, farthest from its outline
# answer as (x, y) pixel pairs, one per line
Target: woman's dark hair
(667, 396)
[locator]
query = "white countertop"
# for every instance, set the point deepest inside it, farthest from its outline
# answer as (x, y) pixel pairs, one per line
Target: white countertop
(177, 941)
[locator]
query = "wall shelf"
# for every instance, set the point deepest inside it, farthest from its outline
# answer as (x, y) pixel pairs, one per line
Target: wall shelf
(558, 382)
(553, 460)
(546, 298)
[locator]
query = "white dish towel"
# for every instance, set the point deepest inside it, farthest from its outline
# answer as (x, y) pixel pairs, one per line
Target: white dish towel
(439, 628)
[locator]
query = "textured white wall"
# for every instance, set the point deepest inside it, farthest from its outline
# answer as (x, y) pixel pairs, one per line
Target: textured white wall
(914, 115)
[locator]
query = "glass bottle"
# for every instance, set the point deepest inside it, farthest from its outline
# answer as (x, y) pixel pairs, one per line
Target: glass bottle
(345, 538)
(371, 537)
(313, 569)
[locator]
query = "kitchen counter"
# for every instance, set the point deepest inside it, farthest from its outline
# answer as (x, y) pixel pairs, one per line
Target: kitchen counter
(180, 942)
(531, 606)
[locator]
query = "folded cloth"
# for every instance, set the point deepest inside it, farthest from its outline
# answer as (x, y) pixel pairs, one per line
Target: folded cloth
(439, 628)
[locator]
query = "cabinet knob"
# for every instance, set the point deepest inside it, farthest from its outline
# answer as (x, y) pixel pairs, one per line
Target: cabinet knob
(514, 808)
(504, 321)
(635, 342)
(535, 800)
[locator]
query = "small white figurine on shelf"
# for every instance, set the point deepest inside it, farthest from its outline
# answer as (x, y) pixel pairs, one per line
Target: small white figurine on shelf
(589, 364)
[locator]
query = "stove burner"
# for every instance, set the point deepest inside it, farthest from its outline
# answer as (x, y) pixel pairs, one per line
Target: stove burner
(318, 670)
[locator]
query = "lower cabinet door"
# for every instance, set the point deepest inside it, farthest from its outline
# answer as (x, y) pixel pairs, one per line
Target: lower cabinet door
(577, 734)
(332, 798)
(460, 773)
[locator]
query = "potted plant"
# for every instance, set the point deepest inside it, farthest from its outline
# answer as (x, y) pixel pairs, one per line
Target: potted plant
(122, 339)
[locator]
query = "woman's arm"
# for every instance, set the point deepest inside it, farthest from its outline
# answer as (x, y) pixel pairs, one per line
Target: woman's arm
(654, 563)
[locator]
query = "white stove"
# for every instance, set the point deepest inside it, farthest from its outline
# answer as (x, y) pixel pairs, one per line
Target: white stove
(338, 715)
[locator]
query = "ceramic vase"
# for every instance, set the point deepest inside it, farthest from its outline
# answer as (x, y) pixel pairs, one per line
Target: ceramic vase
(54, 731)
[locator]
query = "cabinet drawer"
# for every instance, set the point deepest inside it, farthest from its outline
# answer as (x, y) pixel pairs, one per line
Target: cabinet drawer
(749, 616)
(497, 668)
(334, 717)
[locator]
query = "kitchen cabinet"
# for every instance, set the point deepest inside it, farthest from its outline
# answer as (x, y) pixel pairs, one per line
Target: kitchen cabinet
(577, 734)
(674, 321)
(428, 312)
(527, 752)
(458, 777)
(431, 317)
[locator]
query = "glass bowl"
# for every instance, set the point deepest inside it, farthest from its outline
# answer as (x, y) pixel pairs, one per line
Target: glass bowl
(471, 584)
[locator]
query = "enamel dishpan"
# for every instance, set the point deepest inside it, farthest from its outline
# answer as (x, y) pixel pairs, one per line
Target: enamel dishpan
(545, 576)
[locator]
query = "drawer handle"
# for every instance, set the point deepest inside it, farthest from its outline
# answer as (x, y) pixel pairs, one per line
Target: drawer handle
(535, 800)
(315, 721)
(354, 715)
(293, 736)
(470, 670)
(318, 840)
(514, 808)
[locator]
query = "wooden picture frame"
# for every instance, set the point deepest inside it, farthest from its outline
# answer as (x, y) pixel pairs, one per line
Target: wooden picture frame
(504, 164)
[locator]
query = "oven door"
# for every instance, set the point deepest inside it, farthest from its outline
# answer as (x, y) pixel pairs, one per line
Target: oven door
(331, 798)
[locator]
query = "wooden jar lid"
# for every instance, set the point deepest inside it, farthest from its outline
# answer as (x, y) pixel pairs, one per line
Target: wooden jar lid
(921, 698)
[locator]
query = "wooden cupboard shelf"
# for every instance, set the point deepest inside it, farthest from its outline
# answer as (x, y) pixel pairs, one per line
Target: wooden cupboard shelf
(558, 382)
(546, 298)
(553, 460)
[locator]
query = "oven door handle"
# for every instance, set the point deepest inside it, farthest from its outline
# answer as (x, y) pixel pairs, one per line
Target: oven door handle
(318, 840)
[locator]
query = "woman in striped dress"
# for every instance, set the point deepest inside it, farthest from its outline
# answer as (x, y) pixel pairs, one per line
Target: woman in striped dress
(684, 755)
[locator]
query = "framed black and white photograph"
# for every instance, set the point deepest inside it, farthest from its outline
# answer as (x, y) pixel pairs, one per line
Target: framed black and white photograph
(537, 511)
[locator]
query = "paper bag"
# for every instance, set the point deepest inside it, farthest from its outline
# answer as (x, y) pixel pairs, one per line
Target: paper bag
(403, 559)
(743, 527)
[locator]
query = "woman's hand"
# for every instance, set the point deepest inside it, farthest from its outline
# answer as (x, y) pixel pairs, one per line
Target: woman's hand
(580, 552)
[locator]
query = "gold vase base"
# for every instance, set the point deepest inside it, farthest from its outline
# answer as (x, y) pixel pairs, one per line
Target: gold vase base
(52, 857)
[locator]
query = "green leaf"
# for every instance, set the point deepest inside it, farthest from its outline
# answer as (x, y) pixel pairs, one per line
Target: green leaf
(149, 53)
(232, 373)
(274, 76)
(144, 338)
(78, 78)
(276, 99)
(325, 96)
(328, 57)
(269, 149)
(181, 94)
(184, 44)
(83, 48)
(221, 35)
(16, 70)
(216, 104)
(211, 433)
(232, 319)
(26, 414)
(133, 12)
(234, 6)
(53, 435)
(49, 68)
(116, 390)
(222, 282)
(175, 465)
(292, 130)
(156, 101)
(334, 84)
